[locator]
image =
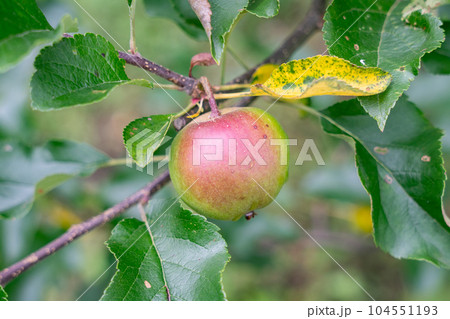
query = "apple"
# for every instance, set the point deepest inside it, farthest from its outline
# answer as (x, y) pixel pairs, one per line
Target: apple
(227, 165)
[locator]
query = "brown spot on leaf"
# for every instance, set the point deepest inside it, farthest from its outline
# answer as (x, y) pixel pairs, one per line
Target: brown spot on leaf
(425, 158)
(255, 127)
(356, 47)
(134, 128)
(381, 150)
(388, 179)
(147, 284)
(347, 38)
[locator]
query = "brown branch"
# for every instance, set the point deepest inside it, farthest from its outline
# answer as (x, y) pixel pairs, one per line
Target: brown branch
(186, 83)
(312, 22)
(78, 230)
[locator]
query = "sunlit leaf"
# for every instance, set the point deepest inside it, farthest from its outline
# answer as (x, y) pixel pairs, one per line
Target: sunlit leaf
(375, 34)
(23, 26)
(323, 75)
(143, 136)
(27, 173)
(262, 74)
(184, 257)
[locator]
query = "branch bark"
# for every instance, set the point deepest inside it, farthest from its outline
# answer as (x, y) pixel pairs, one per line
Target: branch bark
(186, 83)
(78, 230)
(311, 23)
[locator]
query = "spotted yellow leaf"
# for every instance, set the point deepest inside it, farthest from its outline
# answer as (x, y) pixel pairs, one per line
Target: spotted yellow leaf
(323, 75)
(262, 74)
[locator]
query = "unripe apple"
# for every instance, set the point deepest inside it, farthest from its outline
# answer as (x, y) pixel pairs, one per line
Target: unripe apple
(229, 165)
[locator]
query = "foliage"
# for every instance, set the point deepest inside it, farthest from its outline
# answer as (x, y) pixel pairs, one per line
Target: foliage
(216, 18)
(24, 27)
(158, 263)
(378, 36)
(76, 71)
(27, 173)
(321, 75)
(377, 49)
(402, 170)
(143, 136)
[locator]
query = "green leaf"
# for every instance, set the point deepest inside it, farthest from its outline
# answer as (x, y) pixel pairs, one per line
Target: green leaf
(218, 18)
(264, 8)
(129, 2)
(143, 136)
(438, 61)
(27, 173)
(402, 170)
(320, 75)
(76, 71)
(381, 38)
(180, 12)
(3, 295)
(185, 256)
(22, 27)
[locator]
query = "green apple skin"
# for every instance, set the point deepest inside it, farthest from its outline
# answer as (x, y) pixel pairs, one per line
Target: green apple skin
(229, 187)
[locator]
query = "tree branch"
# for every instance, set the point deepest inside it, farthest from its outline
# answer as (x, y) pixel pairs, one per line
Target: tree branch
(312, 22)
(78, 230)
(186, 83)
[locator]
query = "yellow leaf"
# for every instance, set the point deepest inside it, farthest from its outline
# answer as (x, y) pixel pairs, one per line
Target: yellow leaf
(262, 74)
(323, 75)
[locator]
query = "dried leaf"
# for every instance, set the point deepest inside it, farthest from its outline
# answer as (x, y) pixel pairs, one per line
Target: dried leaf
(323, 75)
(204, 58)
(202, 9)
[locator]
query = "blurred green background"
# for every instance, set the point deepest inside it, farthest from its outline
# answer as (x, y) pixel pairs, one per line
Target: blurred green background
(272, 258)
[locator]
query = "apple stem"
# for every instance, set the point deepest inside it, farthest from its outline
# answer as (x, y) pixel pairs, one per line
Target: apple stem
(210, 96)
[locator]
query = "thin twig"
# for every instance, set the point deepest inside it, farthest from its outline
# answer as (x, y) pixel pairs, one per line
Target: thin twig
(187, 84)
(78, 230)
(210, 96)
